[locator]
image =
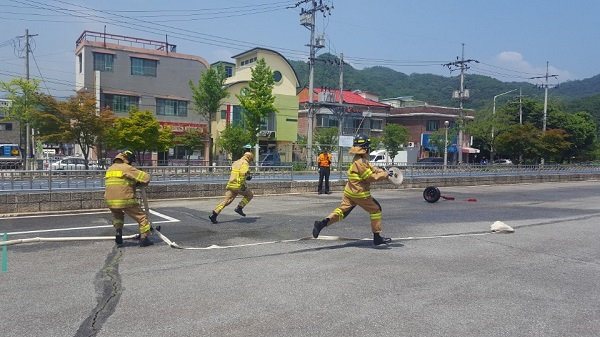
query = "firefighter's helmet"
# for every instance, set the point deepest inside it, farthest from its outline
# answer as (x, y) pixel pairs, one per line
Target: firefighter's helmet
(126, 155)
(362, 140)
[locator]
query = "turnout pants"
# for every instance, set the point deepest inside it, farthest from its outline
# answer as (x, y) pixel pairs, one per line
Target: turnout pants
(369, 204)
(136, 213)
(230, 195)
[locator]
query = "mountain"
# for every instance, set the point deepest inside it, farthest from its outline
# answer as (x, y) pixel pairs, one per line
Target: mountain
(437, 89)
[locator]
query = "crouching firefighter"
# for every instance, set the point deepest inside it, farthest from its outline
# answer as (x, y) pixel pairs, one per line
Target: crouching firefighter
(236, 185)
(121, 180)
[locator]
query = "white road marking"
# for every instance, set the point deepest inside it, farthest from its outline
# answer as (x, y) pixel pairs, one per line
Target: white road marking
(167, 218)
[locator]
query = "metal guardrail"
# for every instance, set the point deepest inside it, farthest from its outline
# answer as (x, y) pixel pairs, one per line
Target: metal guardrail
(46, 180)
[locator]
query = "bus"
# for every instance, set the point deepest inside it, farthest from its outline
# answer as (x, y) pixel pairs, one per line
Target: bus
(11, 157)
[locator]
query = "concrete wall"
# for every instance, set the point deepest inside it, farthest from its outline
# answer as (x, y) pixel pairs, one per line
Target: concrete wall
(19, 203)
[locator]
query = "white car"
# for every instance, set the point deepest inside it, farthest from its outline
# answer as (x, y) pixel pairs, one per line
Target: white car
(71, 163)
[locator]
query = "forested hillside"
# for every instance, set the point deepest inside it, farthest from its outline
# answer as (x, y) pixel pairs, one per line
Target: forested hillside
(436, 89)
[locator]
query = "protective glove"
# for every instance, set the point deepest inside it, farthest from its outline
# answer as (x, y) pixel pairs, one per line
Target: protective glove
(248, 177)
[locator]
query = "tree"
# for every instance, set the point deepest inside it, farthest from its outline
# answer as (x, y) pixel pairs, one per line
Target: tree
(520, 143)
(326, 138)
(258, 100)
(85, 124)
(207, 97)
(487, 126)
(22, 94)
(190, 140)
(554, 145)
(393, 138)
(141, 133)
(233, 139)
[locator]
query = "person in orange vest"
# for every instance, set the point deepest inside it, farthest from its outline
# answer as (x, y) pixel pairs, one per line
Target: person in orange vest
(121, 179)
(324, 163)
(240, 172)
(358, 191)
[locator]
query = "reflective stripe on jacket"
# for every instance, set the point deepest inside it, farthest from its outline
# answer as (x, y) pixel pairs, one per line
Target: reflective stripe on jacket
(361, 174)
(239, 170)
(120, 180)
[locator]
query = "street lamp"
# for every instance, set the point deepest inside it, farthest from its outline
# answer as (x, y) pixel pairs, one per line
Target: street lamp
(494, 122)
(446, 123)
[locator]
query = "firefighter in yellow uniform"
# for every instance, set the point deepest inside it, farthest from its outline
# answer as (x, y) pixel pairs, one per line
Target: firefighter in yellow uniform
(357, 191)
(121, 180)
(240, 172)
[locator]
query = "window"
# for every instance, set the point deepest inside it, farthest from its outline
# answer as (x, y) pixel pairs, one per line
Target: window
(120, 103)
(171, 107)
(103, 62)
(433, 125)
(228, 71)
(376, 124)
(80, 62)
(236, 116)
(326, 121)
(277, 76)
(6, 127)
(268, 124)
(223, 114)
(143, 67)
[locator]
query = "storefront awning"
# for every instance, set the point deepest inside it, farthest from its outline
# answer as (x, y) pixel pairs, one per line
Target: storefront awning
(470, 150)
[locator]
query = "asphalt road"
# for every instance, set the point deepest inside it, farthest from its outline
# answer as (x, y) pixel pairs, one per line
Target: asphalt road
(445, 274)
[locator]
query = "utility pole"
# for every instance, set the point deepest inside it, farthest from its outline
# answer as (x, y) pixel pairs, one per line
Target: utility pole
(545, 100)
(28, 142)
(461, 95)
(307, 19)
(341, 112)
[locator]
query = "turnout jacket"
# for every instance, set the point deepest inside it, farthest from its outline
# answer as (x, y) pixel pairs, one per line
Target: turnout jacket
(361, 174)
(239, 170)
(120, 183)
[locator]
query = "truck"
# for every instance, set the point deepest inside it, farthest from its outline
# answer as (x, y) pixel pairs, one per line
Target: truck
(406, 156)
(11, 157)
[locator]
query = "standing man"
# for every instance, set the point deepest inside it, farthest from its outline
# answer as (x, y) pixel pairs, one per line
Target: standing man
(357, 191)
(236, 185)
(121, 180)
(324, 162)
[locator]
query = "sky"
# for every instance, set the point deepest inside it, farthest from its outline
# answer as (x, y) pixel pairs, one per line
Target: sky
(511, 40)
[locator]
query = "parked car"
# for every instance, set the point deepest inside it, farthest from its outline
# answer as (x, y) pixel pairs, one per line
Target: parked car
(503, 162)
(269, 159)
(71, 163)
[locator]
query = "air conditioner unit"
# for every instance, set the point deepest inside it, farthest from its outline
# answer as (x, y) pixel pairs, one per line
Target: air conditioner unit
(410, 144)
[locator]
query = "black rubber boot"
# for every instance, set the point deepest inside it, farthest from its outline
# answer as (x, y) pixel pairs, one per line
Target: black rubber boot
(239, 211)
(119, 237)
(213, 217)
(145, 242)
(319, 225)
(378, 239)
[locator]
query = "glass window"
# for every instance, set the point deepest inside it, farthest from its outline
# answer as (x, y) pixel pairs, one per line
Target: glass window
(326, 121)
(103, 62)
(236, 118)
(143, 67)
(433, 125)
(171, 107)
(228, 71)
(120, 103)
(376, 124)
(6, 127)
(268, 124)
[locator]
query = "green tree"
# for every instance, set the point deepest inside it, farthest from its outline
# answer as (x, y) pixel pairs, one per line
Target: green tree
(487, 126)
(85, 124)
(22, 94)
(258, 100)
(190, 140)
(141, 133)
(326, 138)
(554, 145)
(393, 138)
(207, 97)
(520, 143)
(233, 139)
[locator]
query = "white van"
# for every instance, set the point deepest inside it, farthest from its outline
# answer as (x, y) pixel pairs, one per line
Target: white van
(402, 158)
